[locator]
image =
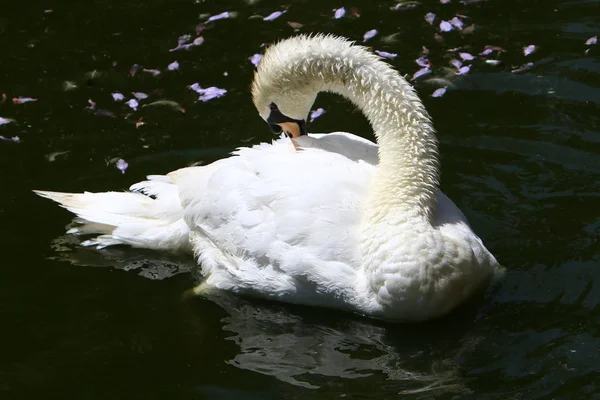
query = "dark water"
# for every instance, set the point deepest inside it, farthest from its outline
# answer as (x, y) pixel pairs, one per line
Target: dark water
(520, 156)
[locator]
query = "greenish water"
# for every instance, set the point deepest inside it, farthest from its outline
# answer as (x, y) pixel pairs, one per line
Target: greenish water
(520, 157)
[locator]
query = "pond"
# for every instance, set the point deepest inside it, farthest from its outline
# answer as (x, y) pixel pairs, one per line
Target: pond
(520, 153)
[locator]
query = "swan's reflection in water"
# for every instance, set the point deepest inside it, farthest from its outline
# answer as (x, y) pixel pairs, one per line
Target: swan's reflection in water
(314, 348)
(311, 347)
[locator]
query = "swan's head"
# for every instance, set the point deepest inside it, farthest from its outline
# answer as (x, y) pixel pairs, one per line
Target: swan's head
(283, 89)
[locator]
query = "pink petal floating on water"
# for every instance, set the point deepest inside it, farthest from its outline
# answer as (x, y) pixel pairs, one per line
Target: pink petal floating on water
(208, 93)
(134, 69)
(255, 59)
(591, 41)
(420, 73)
(404, 6)
(457, 23)
(122, 165)
(487, 50)
(446, 26)
(173, 66)
(523, 68)
(15, 139)
(456, 63)
(370, 34)
(139, 95)
(444, 1)
(439, 92)
(21, 100)
(182, 42)
(339, 13)
(527, 50)
(466, 56)
(153, 72)
(430, 17)
(423, 62)
(133, 104)
(463, 70)
(316, 114)
(273, 15)
(117, 96)
(385, 54)
(91, 104)
(217, 17)
(493, 62)
(4, 121)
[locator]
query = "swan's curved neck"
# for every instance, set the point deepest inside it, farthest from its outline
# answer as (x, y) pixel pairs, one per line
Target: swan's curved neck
(407, 180)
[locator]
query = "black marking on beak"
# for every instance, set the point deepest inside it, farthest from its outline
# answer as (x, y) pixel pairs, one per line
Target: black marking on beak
(277, 117)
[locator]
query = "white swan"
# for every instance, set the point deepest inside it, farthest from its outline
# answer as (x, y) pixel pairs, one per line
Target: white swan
(326, 225)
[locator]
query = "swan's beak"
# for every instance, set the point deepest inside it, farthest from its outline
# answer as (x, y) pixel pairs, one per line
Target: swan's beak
(291, 129)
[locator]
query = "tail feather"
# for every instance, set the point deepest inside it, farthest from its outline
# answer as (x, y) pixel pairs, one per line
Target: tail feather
(150, 216)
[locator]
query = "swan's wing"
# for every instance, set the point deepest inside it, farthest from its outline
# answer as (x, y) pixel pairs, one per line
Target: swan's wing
(277, 222)
(351, 146)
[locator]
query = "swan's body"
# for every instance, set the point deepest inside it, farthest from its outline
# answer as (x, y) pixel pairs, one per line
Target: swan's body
(334, 224)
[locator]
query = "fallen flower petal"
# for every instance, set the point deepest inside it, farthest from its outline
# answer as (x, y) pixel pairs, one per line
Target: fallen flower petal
(523, 68)
(493, 62)
(405, 5)
(122, 165)
(133, 104)
(134, 69)
(466, 56)
(591, 41)
(456, 22)
(370, 34)
(198, 41)
(423, 62)
(139, 95)
(527, 50)
(208, 93)
(255, 59)
(444, 1)
(4, 121)
(212, 93)
(217, 17)
(173, 66)
(429, 18)
(446, 26)
(91, 104)
(316, 114)
(273, 15)
(463, 70)
(339, 13)
(15, 139)
(117, 96)
(153, 72)
(456, 63)
(385, 54)
(439, 92)
(487, 50)
(420, 73)
(21, 100)
(295, 25)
